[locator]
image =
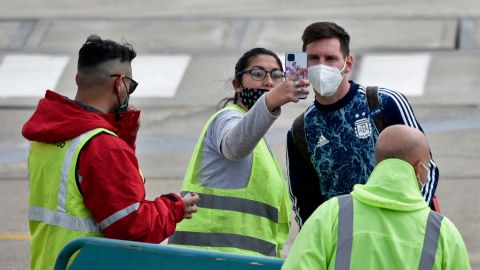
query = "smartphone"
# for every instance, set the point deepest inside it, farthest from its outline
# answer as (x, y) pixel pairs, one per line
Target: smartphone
(187, 195)
(293, 62)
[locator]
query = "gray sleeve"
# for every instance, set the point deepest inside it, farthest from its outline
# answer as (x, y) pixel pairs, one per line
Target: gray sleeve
(235, 134)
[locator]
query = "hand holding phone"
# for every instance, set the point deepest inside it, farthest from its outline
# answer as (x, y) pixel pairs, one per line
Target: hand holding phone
(296, 68)
(190, 201)
(187, 195)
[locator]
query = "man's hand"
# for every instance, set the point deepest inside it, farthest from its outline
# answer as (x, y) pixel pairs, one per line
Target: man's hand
(190, 201)
(129, 125)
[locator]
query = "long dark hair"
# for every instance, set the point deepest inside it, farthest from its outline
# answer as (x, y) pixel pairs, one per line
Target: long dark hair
(242, 64)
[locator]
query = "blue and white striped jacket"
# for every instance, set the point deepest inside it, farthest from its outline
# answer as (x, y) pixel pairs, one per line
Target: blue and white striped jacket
(341, 141)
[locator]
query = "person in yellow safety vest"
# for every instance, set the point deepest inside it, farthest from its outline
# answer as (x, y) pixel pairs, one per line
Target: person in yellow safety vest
(385, 223)
(244, 203)
(84, 175)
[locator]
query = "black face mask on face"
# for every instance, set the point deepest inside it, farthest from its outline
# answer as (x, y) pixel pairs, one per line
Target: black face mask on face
(122, 107)
(250, 95)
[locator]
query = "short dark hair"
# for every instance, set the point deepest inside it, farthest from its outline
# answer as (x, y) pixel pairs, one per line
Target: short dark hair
(96, 51)
(321, 30)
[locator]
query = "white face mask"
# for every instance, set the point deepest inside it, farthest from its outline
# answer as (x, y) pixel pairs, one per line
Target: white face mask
(422, 184)
(325, 79)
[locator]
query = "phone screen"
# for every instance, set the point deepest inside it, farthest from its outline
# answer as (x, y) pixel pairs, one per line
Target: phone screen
(293, 62)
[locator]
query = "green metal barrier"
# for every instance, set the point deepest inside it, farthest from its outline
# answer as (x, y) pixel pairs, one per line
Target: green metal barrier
(102, 253)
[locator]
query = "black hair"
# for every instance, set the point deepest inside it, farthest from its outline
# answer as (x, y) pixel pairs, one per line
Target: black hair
(243, 63)
(96, 51)
(321, 30)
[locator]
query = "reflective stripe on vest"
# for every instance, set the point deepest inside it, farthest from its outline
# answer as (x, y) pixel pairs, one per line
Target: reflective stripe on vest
(67, 162)
(64, 220)
(220, 223)
(345, 236)
(60, 217)
(430, 243)
(224, 240)
(345, 232)
(238, 205)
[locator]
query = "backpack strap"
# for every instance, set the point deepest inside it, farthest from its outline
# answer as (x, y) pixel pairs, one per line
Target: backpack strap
(298, 132)
(375, 109)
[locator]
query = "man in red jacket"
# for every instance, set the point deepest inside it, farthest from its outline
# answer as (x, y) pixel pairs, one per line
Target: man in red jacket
(105, 169)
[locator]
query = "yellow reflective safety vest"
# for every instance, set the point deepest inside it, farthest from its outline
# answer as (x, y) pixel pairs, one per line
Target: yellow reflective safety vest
(253, 220)
(56, 212)
(383, 224)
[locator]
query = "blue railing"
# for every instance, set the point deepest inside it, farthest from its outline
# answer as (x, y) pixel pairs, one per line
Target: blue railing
(101, 253)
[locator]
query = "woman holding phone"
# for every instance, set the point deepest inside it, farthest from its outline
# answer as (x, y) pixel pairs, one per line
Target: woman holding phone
(244, 202)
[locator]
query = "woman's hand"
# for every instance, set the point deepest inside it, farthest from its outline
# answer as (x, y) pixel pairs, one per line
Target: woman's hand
(287, 91)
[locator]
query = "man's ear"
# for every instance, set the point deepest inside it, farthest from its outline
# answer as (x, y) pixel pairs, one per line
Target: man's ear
(117, 85)
(418, 168)
(77, 79)
(349, 65)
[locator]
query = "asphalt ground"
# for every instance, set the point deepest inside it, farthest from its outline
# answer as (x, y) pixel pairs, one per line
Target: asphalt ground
(211, 36)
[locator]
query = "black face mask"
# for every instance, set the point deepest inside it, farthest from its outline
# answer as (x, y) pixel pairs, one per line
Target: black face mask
(122, 107)
(250, 95)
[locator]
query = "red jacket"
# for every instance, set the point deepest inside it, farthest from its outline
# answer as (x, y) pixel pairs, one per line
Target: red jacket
(109, 168)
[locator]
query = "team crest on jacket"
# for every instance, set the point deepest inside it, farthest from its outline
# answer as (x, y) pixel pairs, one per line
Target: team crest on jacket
(362, 128)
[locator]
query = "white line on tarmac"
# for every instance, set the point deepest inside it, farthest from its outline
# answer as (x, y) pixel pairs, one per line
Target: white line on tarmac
(159, 75)
(406, 73)
(23, 75)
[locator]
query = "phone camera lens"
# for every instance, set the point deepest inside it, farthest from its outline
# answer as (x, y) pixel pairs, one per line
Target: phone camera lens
(291, 57)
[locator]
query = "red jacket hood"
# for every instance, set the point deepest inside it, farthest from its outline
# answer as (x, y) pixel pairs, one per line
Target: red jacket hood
(58, 118)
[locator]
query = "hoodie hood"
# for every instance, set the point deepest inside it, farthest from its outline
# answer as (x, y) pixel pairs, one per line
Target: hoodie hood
(58, 118)
(392, 185)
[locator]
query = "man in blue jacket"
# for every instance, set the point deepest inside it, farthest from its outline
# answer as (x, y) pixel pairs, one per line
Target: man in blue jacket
(339, 129)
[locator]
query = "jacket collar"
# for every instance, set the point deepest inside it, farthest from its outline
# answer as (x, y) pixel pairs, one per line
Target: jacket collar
(392, 185)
